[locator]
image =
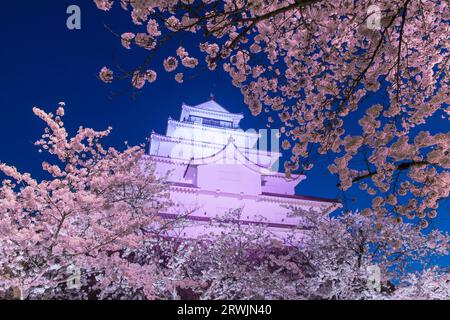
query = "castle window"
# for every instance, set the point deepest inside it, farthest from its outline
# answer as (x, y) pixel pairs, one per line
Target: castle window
(210, 122)
(194, 119)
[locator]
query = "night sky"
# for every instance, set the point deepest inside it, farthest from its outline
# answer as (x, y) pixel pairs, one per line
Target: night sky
(42, 63)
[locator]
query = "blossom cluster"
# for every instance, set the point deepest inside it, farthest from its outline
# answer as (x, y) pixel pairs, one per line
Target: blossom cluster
(312, 65)
(87, 215)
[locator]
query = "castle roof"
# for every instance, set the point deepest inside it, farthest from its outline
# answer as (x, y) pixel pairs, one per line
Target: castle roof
(210, 110)
(211, 105)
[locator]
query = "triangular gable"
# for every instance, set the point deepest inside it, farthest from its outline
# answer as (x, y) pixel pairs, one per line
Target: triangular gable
(211, 105)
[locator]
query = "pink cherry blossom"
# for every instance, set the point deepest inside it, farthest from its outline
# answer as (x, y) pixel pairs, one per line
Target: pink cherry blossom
(179, 77)
(170, 64)
(150, 76)
(126, 39)
(138, 79)
(106, 75)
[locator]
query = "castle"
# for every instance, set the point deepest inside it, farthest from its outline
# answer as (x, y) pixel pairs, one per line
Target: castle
(214, 166)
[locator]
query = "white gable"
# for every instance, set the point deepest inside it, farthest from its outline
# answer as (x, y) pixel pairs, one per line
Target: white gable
(211, 105)
(212, 113)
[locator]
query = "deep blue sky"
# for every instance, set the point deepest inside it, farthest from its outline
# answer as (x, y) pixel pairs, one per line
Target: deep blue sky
(42, 63)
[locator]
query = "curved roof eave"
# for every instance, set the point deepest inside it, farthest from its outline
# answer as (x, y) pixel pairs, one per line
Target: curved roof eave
(243, 159)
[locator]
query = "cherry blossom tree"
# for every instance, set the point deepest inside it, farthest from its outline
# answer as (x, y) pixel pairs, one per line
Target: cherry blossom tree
(81, 223)
(315, 67)
(431, 283)
(343, 251)
(324, 258)
(233, 261)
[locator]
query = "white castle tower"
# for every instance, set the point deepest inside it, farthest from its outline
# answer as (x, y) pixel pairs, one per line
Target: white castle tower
(214, 166)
